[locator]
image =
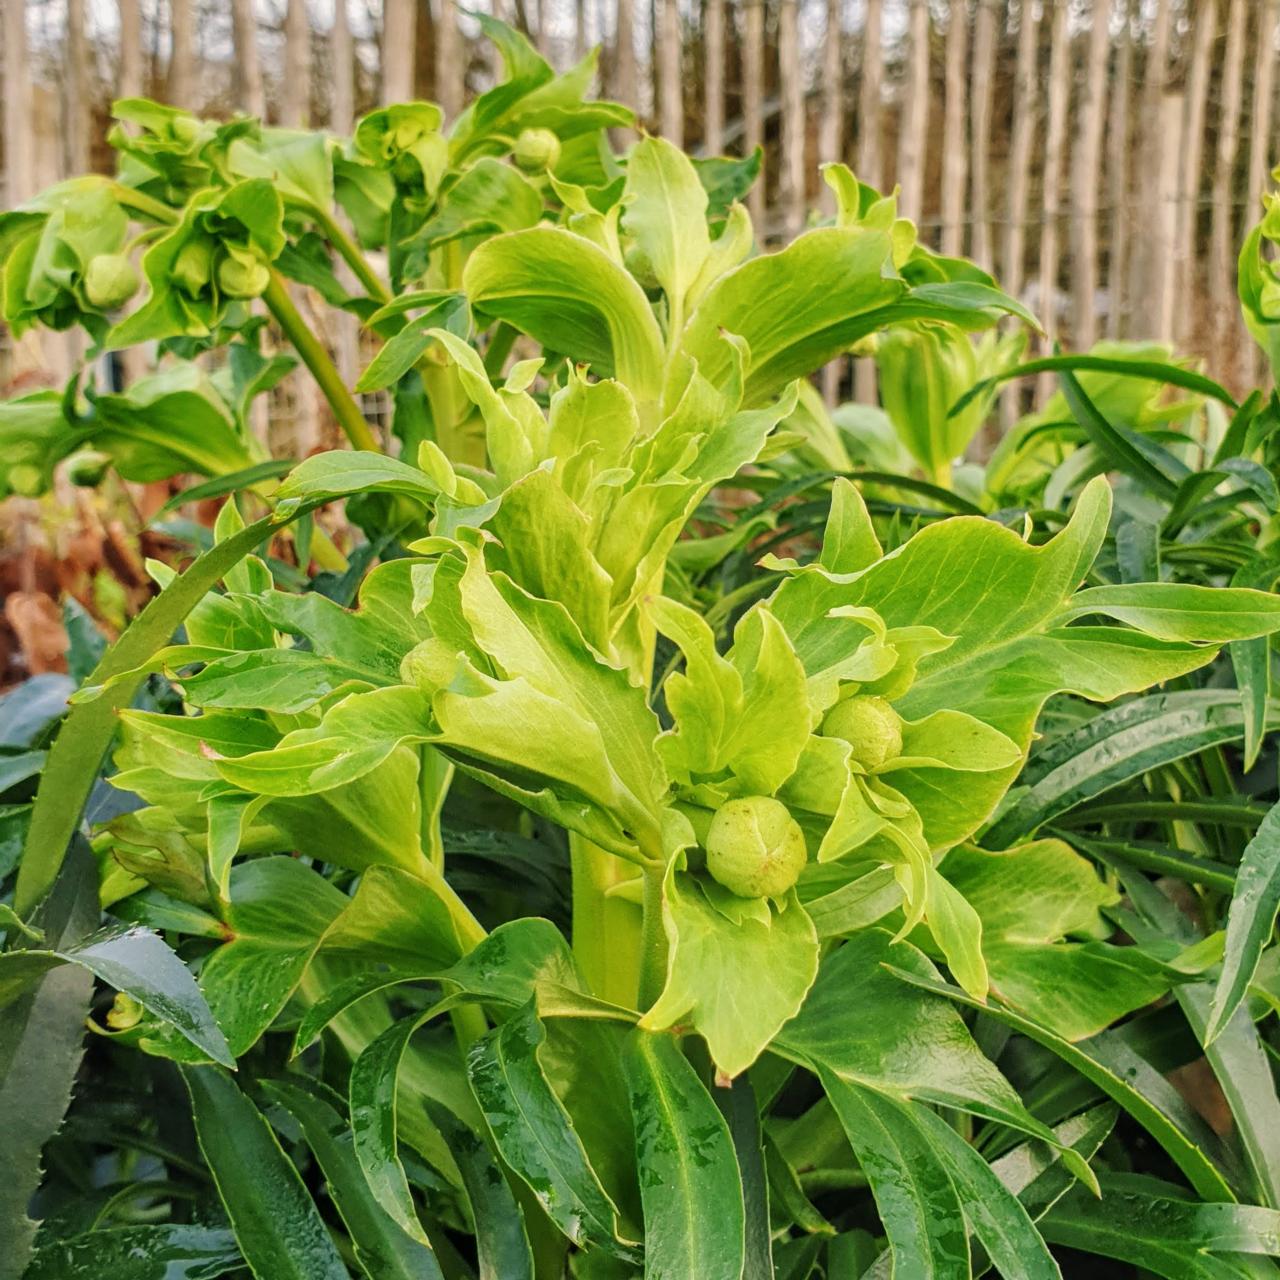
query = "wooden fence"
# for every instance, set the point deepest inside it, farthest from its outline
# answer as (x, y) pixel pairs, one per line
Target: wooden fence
(1103, 157)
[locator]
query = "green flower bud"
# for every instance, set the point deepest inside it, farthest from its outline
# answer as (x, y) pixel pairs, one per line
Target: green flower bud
(193, 267)
(110, 280)
(26, 480)
(870, 726)
(536, 150)
(242, 273)
(86, 468)
(755, 848)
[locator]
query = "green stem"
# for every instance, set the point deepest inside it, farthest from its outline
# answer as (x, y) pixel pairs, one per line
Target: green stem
(653, 939)
(499, 348)
(316, 358)
(350, 253)
(606, 927)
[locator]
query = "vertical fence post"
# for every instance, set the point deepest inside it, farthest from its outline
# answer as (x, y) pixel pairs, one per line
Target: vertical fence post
(1188, 221)
(869, 163)
(713, 78)
(792, 139)
(450, 64)
(984, 75)
(1087, 180)
(753, 103)
(1222, 225)
(1059, 86)
(1260, 138)
(398, 35)
(1118, 181)
(955, 152)
(295, 92)
(670, 85)
(246, 76)
(913, 134)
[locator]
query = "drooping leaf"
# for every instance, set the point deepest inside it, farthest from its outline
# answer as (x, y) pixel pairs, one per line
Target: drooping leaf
(689, 1179)
(535, 1136)
(134, 961)
(915, 1197)
(502, 1245)
(734, 974)
(276, 1223)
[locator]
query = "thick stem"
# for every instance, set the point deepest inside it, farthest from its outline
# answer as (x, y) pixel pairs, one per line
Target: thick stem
(653, 939)
(606, 928)
(316, 358)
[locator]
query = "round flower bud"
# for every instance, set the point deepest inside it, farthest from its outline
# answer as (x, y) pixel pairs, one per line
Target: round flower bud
(242, 273)
(536, 150)
(86, 468)
(110, 280)
(755, 848)
(871, 727)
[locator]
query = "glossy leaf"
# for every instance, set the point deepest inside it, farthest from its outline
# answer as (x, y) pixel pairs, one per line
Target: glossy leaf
(276, 1224)
(1250, 921)
(534, 1134)
(134, 961)
(383, 1250)
(1114, 747)
(915, 1197)
(169, 1251)
(689, 1179)
(502, 1245)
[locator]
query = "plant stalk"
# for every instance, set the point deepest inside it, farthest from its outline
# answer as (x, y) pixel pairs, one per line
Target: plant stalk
(653, 939)
(316, 358)
(606, 928)
(350, 253)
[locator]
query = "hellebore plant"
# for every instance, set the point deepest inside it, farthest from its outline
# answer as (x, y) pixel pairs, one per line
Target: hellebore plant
(788, 822)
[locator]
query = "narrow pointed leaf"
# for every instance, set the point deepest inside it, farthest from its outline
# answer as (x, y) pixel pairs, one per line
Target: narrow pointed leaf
(689, 1179)
(276, 1224)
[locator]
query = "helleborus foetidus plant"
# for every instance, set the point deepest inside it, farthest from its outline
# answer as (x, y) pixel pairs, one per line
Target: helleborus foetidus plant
(632, 1097)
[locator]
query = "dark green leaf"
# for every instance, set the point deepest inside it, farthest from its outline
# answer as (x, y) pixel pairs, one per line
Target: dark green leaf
(276, 1224)
(502, 1247)
(1250, 921)
(914, 1196)
(168, 1252)
(689, 1180)
(382, 1249)
(534, 1134)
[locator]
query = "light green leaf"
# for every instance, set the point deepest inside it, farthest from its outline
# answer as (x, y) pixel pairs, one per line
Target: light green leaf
(278, 912)
(665, 213)
(736, 977)
(1182, 611)
(567, 294)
